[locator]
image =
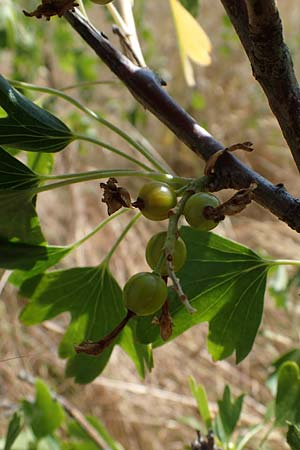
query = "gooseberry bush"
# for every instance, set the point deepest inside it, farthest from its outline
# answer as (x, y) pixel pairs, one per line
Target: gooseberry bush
(194, 275)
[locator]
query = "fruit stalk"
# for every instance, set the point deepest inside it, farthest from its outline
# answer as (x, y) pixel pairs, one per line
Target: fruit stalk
(96, 348)
(172, 234)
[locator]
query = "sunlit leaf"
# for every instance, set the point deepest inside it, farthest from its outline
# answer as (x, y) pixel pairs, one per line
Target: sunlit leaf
(94, 300)
(199, 394)
(225, 282)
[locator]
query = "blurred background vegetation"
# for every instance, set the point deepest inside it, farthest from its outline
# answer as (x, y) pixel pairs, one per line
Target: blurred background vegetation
(231, 106)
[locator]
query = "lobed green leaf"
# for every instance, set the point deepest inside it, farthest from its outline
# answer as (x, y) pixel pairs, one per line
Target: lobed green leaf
(94, 300)
(225, 282)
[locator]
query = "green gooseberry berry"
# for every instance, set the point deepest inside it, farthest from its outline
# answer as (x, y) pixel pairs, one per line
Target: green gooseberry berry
(194, 211)
(154, 251)
(155, 200)
(144, 293)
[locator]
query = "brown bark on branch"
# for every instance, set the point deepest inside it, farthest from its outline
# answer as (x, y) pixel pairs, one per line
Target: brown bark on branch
(259, 27)
(146, 87)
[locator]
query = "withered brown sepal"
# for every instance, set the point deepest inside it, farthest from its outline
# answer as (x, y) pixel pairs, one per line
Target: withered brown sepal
(49, 8)
(115, 196)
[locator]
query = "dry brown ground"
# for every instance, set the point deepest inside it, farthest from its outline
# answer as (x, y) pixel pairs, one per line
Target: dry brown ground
(144, 415)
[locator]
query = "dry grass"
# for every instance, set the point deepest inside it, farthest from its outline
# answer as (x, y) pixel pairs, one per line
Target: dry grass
(144, 415)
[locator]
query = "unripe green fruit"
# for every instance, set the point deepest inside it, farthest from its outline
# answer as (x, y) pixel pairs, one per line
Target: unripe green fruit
(193, 211)
(156, 199)
(144, 293)
(154, 251)
(102, 2)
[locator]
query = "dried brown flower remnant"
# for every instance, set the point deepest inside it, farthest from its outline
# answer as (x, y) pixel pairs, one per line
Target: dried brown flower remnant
(49, 8)
(164, 321)
(114, 196)
(236, 204)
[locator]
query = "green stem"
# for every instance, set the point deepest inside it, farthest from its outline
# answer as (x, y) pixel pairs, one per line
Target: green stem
(120, 238)
(284, 262)
(140, 148)
(73, 178)
(172, 233)
(159, 264)
(266, 436)
(84, 84)
(112, 149)
(98, 228)
(83, 11)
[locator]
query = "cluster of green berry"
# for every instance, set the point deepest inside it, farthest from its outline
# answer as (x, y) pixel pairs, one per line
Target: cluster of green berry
(145, 292)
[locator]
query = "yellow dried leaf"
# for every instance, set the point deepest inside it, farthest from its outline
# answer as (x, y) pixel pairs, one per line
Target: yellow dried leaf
(194, 44)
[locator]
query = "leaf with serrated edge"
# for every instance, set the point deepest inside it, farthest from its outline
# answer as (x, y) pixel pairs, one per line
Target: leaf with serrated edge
(92, 297)
(225, 282)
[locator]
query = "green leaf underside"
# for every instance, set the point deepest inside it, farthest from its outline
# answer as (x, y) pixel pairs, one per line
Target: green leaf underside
(225, 282)
(287, 403)
(45, 415)
(27, 126)
(18, 218)
(94, 300)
